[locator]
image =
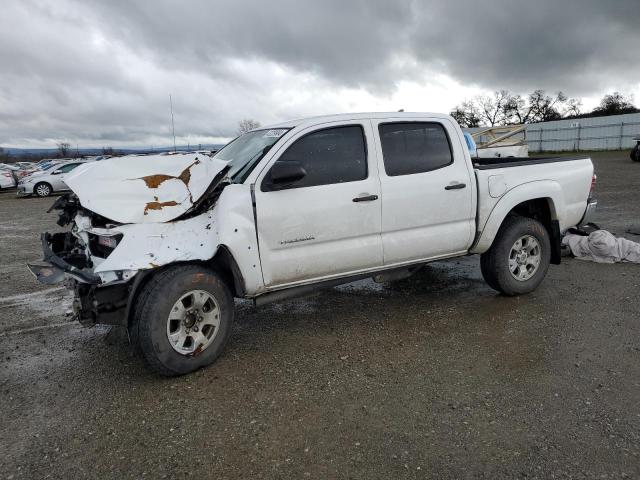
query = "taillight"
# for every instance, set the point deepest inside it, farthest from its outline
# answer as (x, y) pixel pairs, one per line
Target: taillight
(7, 174)
(593, 183)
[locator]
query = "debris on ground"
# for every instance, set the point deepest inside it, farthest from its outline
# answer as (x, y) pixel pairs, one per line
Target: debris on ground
(602, 246)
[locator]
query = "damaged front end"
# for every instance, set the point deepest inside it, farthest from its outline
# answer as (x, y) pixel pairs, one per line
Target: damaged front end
(72, 257)
(119, 237)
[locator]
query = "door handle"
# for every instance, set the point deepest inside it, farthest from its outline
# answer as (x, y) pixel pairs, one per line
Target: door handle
(455, 186)
(366, 198)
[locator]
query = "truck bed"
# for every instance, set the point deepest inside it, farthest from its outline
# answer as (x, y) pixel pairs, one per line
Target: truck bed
(505, 162)
(563, 182)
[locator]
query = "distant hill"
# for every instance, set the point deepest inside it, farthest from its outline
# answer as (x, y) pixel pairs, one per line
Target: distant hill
(44, 152)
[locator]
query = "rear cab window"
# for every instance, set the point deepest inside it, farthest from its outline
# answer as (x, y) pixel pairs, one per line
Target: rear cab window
(414, 147)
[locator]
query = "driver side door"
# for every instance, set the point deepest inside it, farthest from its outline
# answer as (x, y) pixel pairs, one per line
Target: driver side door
(327, 223)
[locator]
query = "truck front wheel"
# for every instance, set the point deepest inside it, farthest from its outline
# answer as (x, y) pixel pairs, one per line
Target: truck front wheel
(182, 319)
(519, 258)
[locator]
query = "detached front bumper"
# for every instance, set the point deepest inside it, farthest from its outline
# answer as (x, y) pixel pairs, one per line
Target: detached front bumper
(94, 302)
(52, 268)
(592, 205)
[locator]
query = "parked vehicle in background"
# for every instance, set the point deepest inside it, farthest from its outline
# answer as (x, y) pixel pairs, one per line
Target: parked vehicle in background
(501, 142)
(19, 169)
(44, 183)
(162, 244)
(7, 178)
(635, 151)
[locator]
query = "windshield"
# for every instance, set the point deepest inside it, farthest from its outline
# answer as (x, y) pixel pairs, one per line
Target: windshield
(247, 150)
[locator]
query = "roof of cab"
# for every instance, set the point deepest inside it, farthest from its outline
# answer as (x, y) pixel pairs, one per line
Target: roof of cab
(319, 120)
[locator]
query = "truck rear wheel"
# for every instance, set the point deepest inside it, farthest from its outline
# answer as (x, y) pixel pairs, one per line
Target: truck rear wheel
(182, 319)
(519, 258)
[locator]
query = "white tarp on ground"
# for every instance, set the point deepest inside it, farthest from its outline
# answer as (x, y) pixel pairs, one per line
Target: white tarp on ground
(602, 247)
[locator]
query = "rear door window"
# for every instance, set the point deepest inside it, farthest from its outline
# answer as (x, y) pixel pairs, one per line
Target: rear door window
(415, 147)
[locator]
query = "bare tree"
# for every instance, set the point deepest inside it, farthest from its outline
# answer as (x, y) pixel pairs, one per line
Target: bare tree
(63, 148)
(466, 114)
(504, 108)
(247, 125)
(615, 104)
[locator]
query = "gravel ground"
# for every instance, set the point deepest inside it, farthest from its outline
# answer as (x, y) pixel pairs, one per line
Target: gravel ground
(436, 376)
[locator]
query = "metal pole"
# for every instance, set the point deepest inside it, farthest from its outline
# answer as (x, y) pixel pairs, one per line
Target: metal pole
(173, 130)
(579, 130)
(621, 135)
(540, 139)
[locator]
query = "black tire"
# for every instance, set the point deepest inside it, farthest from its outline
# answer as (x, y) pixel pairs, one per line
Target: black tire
(42, 189)
(494, 263)
(148, 329)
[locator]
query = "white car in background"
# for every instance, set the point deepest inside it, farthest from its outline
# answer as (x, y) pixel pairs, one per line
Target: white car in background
(44, 183)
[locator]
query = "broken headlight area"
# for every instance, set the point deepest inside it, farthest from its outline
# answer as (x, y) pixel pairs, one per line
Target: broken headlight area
(63, 254)
(67, 247)
(102, 245)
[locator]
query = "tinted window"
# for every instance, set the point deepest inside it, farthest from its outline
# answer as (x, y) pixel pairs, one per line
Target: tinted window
(414, 147)
(332, 155)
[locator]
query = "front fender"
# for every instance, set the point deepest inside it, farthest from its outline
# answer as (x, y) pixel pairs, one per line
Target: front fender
(546, 189)
(151, 245)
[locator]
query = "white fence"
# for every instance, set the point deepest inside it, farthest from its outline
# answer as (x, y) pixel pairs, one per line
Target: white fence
(598, 133)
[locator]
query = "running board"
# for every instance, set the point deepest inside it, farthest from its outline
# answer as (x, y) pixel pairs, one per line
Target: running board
(304, 290)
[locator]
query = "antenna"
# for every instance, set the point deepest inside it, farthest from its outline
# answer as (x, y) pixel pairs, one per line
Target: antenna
(173, 129)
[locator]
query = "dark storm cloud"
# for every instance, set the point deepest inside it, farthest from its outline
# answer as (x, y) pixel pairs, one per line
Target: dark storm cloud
(568, 44)
(100, 70)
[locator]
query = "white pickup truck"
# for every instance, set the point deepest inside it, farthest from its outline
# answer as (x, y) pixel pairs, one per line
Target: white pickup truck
(162, 244)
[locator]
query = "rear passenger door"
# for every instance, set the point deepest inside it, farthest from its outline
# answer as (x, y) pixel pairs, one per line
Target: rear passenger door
(327, 223)
(426, 189)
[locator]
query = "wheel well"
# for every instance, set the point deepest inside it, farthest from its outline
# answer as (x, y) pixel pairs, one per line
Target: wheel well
(542, 210)
(224, 263)
(538, 209)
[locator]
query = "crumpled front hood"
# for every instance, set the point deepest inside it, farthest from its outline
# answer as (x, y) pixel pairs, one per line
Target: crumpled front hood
(143, 189)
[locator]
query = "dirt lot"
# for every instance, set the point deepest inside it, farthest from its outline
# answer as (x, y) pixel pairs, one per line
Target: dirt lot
(436, 376)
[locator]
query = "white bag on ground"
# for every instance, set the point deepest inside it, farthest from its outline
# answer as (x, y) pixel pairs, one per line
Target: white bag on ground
(602, 247)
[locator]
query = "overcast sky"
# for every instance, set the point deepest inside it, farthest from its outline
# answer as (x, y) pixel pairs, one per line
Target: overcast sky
(99, 73)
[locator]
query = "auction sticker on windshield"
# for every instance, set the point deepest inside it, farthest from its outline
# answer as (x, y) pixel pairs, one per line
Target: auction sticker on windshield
(276, 133)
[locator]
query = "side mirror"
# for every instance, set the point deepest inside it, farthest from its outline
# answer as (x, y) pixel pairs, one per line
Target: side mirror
(285, 173)
(57, 172)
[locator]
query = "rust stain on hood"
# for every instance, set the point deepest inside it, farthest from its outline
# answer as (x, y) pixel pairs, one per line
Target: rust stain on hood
(154, 181)
(158, 206)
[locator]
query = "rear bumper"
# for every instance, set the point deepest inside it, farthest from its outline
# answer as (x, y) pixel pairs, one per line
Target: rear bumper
(592, 204)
